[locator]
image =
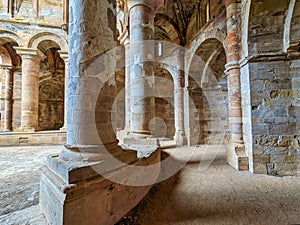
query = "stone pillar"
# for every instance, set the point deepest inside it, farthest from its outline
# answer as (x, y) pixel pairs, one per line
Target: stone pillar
(127, 86)
(123, 29)
(65, 57)
(142, 66)
(179, 136)
(8, 97)
(30, 88)
(236, 155)
(233, 69)
(84, 184)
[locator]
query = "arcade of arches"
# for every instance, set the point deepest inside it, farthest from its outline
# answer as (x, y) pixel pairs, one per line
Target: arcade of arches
(118, 79)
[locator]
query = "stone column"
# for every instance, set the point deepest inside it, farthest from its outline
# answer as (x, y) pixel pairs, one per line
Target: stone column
(127, 86)
(179, 136)
(236, 156)
(123, 29)
(82, 185)
(30, 88)
(233, 70)
(65, 57)
(142, 66)
(8, 71)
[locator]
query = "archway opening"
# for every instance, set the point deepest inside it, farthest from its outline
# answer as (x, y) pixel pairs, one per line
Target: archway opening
(208, 95)
(164, 123)
(10, 83)
(51, 87)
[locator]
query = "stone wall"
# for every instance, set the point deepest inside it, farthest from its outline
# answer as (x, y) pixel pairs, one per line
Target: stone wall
(266, 26)
(270, 88)
(40, 11)
(274, 87)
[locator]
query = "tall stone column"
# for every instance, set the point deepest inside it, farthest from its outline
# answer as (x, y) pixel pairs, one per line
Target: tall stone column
(234, 73)
(142, 66)
(8, 71)
(30, 88)
(84, 184)
(127, 86)
(236, 155)
(124, 38)
(65, 57)
(179, 136)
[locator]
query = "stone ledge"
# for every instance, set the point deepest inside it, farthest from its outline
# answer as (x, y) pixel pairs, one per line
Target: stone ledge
(32, 138)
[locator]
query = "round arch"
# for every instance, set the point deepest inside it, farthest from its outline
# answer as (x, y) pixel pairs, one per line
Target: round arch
(199, 40)
(47, 36)
(244, 27)
(5, 58)
(164, 23)
(206, 98)
(291, 39)
(8, 36)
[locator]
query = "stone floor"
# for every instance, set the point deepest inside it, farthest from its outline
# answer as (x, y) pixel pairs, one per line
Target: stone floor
(20, 169)
(210, 192)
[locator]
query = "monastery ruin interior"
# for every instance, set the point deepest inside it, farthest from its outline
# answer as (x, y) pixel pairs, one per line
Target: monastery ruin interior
(117, 97)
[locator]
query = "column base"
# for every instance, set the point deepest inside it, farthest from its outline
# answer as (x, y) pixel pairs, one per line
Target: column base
(26, 129)
(7, 130)
(237, 157)
(75, 193)
(180, 138)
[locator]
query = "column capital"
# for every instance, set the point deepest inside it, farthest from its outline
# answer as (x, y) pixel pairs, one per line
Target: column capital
(153, 4)
(30, 53)
(64, 55)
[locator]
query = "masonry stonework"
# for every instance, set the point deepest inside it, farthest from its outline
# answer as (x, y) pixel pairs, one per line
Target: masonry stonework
(194, 72)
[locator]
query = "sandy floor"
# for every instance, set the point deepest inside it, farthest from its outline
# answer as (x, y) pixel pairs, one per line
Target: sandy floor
(217, 195)
(195, 195)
